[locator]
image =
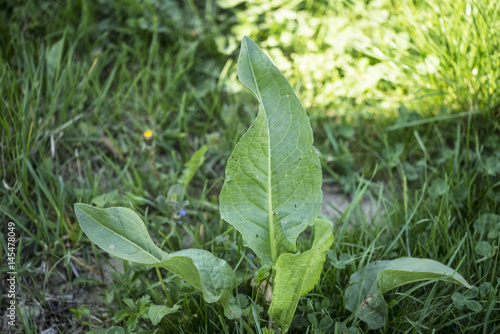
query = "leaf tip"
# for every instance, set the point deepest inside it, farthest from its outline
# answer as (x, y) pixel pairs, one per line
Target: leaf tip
(77, 207)
(247, 42)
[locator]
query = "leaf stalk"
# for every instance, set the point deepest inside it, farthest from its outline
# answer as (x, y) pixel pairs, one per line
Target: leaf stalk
(169, 299)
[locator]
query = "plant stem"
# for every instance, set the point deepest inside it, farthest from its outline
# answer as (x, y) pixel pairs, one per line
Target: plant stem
(170, 302)
(153, 162)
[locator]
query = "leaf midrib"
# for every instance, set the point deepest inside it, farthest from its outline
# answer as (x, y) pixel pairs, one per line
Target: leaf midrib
(269, 183)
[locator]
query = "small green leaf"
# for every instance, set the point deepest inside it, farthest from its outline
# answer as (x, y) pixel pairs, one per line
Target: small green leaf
(262, 274)
(174, 195)
(473, 305)
(325, 323)
(231, 309)
(346, 258)
(438, 188)
(54, 56)
(80, 311)
(272, 190)
(473, 292)
(493, 234)
(130, 303)
(192, 166)
(297, 274)
(487, 222)
(312, 319)
(339, 263)
(459, 300)
(108, 199)
(492, 165)
(364, 295)
(157, 312)
(483, 249)
(132, 322)
(341, 328)
(492, 141)
(485, 289)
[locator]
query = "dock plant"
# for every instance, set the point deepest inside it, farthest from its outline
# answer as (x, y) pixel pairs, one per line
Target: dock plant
(271, 194)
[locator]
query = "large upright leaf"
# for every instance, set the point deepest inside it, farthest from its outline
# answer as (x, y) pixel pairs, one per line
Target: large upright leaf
(365, 293)
(272, 190)
(297, 274)
(122, 233)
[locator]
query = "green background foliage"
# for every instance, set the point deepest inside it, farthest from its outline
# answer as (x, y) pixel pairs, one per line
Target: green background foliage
(403, 101)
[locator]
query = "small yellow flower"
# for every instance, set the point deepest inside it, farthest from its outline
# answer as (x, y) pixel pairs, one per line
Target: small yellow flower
(148, 135)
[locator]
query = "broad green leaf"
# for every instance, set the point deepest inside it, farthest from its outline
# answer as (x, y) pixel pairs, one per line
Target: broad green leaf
(122, 233)
(192, 166)
(157, 312)
(297, 274)
(205, 272)
(367, 286)
(272, 190)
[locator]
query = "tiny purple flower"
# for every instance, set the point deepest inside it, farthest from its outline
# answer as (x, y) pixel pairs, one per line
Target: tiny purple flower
(182, 213)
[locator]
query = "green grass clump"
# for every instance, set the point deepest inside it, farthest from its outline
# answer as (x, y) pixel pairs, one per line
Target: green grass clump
(405, 114)
(371, 56)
